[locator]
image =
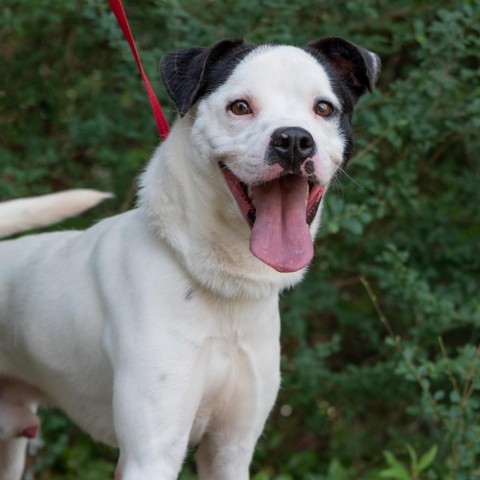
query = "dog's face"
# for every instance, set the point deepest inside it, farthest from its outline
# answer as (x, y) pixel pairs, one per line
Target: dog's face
(276, 121)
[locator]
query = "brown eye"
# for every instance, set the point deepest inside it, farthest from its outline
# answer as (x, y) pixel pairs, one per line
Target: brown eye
(323, 109)
(240, 107)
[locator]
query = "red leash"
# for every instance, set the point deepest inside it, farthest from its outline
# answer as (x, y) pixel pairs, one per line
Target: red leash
(161, 121)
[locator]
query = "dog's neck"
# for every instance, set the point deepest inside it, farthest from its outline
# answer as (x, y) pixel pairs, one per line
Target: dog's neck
(190, 208)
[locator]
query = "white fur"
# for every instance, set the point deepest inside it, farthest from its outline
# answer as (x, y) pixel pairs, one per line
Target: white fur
(27, 213)
(158, 327)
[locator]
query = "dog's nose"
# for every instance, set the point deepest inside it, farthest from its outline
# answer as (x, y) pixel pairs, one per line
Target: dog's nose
(291, 146)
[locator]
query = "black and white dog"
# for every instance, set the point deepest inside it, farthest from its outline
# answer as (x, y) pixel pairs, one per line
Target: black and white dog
(159, 327)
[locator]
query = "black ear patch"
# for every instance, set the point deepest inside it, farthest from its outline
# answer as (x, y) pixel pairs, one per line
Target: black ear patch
(356, 66)
(194, 72)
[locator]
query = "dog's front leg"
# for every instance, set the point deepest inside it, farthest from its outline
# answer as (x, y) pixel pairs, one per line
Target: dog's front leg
(226, 450)
(153, 412)
(221, 457)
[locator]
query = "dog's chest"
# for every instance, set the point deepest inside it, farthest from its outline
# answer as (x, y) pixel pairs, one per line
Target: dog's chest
(237, 355)
(227, 369)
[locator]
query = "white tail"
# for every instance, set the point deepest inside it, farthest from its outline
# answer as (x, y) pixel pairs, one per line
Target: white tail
(27, 213)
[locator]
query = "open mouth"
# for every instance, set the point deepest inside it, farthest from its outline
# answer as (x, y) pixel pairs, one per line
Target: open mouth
(279, 212)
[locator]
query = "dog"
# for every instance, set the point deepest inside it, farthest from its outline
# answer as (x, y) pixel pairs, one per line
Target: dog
(159, 327)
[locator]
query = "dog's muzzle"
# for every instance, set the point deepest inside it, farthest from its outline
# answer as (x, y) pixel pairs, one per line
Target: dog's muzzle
(280, 209)
(290, 147)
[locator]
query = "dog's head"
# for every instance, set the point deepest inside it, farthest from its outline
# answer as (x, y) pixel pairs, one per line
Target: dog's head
(276, 121)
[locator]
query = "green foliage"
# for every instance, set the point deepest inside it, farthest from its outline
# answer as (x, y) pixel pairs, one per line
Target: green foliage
(398, 471)
(69, 452)
(381, 343)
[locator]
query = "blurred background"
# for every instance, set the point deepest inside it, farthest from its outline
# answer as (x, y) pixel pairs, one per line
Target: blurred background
(381, 353)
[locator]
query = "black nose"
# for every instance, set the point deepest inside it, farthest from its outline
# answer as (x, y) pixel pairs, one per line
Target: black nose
(290, 147)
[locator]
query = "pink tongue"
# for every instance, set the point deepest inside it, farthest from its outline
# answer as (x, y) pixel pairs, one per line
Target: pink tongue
(280, 235)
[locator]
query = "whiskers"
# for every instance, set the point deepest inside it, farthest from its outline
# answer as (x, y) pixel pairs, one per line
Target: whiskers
(337, 182)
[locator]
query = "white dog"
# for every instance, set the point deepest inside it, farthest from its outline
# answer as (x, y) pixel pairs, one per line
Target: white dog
(159, 327)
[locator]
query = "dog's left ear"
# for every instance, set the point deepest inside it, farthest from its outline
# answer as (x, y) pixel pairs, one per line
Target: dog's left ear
(358, 67)
(185, 73)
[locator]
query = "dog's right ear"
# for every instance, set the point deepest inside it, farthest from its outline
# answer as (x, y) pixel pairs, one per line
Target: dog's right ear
(184, 73)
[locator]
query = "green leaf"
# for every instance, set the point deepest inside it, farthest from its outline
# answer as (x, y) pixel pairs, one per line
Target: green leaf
(426, 459)
(395, 474)
(336, 471)
(397, 470)
(413, 456)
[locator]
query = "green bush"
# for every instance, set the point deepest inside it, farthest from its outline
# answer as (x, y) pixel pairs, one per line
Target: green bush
(381, 352)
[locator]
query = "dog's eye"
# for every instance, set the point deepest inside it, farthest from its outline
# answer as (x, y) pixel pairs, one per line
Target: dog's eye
(323, 109)
(240, 107)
